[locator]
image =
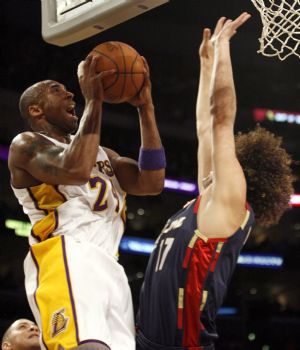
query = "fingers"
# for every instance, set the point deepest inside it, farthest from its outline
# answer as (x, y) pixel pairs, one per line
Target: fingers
(80, 70)
(83, 67)
(240, 20)
(227, 28)
(89, 67)
(206, 35)
(219, 25)
(106, 73)
(147, 69)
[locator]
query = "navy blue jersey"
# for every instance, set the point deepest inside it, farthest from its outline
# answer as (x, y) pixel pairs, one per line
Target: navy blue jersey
(186, 282)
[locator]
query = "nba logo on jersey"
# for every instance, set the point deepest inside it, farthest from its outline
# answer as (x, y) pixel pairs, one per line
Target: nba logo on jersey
(59, 322)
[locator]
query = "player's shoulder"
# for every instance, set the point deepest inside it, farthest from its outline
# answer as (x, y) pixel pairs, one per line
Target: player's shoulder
(110, 153)
(26, 137)
(23, 145)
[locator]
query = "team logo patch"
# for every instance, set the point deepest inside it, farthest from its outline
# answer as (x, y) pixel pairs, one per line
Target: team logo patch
(59, 322)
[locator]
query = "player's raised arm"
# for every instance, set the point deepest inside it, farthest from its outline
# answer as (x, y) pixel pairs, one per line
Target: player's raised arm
(50, 108)
(229, 185)
(145, 177)
(203, 116)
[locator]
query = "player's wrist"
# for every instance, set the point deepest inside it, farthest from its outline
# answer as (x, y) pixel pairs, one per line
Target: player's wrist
(152, 159)
(146, 107)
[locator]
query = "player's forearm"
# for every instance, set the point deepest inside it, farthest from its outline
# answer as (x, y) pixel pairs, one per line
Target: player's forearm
(150, 138)
(152, 158)
(81, 154)
(203, 117)
(223, 100)
(203, 124)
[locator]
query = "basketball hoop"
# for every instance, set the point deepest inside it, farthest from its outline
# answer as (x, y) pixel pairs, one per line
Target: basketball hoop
(281, 27)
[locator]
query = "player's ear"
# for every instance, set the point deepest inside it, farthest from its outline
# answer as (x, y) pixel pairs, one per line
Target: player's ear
(6, 346)
(35, 111)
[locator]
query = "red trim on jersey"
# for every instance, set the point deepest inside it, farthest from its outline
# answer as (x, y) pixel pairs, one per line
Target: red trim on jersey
(213, 264)
(196, 276)
(217, 254)
(180, 318)
(187, 257)
(197, 204)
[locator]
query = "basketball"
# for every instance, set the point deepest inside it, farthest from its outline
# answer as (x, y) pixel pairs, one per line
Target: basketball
(129, 77)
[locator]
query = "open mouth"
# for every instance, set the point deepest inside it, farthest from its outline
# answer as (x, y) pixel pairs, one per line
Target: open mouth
(71, 111)
(34, 335)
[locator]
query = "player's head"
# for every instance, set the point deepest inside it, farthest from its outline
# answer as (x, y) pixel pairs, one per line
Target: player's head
(267, 167)
(48, 104)
(21, 335)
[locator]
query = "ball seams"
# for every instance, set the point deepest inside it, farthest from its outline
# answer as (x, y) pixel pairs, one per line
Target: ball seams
(113, 62)
(125, 70)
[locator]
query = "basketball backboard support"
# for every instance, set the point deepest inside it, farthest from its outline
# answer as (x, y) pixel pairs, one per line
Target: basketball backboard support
(68, 21)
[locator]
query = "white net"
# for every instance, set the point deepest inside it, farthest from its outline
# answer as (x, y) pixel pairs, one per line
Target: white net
(281, 27)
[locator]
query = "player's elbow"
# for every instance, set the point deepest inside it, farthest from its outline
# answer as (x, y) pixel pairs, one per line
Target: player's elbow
(223, 105)
(157, 190)
(154, 186)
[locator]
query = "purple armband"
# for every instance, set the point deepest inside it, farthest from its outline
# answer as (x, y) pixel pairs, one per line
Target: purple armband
(152, 159)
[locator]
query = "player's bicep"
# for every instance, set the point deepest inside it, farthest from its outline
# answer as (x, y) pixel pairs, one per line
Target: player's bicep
(204, 157)
(127, 173)
(45, 164)
(41, 159)
(229, 179)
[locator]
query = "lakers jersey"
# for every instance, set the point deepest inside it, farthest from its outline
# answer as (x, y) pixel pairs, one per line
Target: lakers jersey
(92, 212)
(185, 283)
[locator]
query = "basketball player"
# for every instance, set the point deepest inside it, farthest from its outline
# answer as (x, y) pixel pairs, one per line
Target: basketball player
(21, 335)
(73, 191)
(195, 255)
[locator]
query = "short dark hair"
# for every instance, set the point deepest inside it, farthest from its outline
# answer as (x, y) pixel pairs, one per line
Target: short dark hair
(6, 335)
(32, 95)
(267, 168)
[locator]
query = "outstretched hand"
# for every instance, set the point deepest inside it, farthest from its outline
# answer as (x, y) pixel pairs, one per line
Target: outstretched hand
(206, 50)
(144, 97)
(228, 27)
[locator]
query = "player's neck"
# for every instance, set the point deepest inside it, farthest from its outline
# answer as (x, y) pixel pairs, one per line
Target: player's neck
(64, 138)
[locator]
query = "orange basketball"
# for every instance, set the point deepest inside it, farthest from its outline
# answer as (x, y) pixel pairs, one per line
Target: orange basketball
(129, 66)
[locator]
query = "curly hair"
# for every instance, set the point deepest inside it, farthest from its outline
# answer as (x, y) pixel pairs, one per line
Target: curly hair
(267, 168)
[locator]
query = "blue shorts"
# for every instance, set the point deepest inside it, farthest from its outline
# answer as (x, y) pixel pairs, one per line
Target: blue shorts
(142, 343)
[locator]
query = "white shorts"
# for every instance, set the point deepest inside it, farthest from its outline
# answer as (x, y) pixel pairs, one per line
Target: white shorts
(78, 294)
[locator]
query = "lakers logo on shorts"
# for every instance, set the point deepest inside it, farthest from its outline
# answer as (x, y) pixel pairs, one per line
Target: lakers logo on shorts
(59, 322)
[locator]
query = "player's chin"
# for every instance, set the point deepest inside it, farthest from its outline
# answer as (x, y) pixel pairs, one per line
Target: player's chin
(72, 123)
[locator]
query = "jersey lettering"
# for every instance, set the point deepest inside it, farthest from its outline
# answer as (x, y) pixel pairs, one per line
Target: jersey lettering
(115, 194)
(101, 202)
(105, 168)
(164, 248)
(173, 225)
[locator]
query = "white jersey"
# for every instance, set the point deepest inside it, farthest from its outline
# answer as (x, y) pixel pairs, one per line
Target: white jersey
(93, 212)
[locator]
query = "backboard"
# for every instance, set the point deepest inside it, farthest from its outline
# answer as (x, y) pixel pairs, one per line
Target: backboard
(68, 21)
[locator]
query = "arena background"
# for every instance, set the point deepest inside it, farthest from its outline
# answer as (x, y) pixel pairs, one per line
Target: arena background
(262, 309)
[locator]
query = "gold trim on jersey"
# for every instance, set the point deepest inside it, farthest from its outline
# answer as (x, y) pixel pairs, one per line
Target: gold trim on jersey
(54, 295)
(201, 235)
(42, 229)
(245, 220)
(204, 299)
(47, 198)
(180, 298)
(219, 247)
(123, 210)
(192, 241)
